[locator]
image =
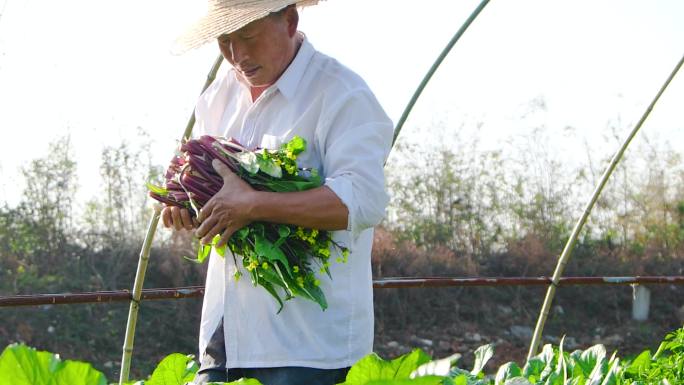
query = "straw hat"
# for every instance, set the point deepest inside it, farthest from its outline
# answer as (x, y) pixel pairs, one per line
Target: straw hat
(226, 16)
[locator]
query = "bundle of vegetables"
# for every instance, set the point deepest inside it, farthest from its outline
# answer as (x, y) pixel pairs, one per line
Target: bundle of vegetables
(280, 258)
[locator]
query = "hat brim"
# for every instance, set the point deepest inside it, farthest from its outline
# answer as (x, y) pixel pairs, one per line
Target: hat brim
(220, 21)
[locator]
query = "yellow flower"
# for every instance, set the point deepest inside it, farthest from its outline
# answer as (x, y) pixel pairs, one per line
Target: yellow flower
(300, 281)
(324, 252)
(295, 269)
(314, 233)
(345, 253)
(264, 265)
(290, 155)
(317, 283)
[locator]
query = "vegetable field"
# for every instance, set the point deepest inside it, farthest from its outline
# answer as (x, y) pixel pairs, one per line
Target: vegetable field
(455, 212)
(554, 365)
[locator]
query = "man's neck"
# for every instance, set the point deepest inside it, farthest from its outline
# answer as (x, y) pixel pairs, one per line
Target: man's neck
(257, 91)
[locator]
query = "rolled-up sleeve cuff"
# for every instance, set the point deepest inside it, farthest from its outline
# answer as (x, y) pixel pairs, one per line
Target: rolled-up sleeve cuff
(342, 187)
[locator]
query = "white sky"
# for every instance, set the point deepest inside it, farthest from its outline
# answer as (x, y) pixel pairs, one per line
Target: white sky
(98, 70)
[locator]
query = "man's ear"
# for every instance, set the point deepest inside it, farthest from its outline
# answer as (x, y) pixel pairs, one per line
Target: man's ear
(292, 19)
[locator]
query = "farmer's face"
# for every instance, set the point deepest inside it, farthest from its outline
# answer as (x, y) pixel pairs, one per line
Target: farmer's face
(261, 51)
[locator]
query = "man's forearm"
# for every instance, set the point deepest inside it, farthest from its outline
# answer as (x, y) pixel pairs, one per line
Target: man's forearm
(319, 208)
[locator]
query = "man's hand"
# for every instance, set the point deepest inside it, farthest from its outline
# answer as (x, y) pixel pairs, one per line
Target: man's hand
(178, 218)
(229, 210)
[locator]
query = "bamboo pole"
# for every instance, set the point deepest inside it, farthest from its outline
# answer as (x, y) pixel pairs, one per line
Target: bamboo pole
(434, 67)
(137, 290)
(567, 250)
(144, 254)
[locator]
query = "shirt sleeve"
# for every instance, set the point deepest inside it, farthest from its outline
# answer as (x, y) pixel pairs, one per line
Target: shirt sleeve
(355, 139)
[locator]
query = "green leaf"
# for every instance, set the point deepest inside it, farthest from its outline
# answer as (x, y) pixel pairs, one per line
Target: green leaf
(517, 381)
(190, 370)
(221, 250)
(297, 145)
(203, 252)
(561, 369)
(436, 368)
(428, 380)
(266, 249)
(507, 371)
(157, 189)
(547, 355)
(272, 291)
(269, 167)
(554, 379)
(611, 376)
(596, 356)
(316, 294)
(590, 358)
(640, 364)
(257, 228)
(580, 380)
(78, 373)
(461, 379)
(482, 355)
(283, 233)
(309, 291)
(372, 367)
(534, 367)
(249, 161)
(242, 233)
(27, 366)
(280, 185)
(174, 369)
(574, 369)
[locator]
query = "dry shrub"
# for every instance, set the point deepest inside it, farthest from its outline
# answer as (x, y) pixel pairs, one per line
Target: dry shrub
(527, 256)
(393, 258)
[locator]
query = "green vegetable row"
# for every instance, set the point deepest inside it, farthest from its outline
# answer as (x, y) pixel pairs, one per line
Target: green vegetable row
(22, 365)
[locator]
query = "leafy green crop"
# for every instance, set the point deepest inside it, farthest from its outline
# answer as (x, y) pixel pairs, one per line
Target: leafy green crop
(21, 365)
(665, 366)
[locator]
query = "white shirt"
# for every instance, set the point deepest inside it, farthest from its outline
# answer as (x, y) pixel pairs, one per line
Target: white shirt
(348, 139)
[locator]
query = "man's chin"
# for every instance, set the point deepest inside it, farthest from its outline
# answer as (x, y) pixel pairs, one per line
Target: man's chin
(255, 81)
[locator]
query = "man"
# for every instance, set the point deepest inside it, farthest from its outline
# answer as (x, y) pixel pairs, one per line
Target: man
(279, 86)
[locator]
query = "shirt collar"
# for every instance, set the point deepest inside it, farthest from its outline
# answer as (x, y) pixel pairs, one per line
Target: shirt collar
(289, 81)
